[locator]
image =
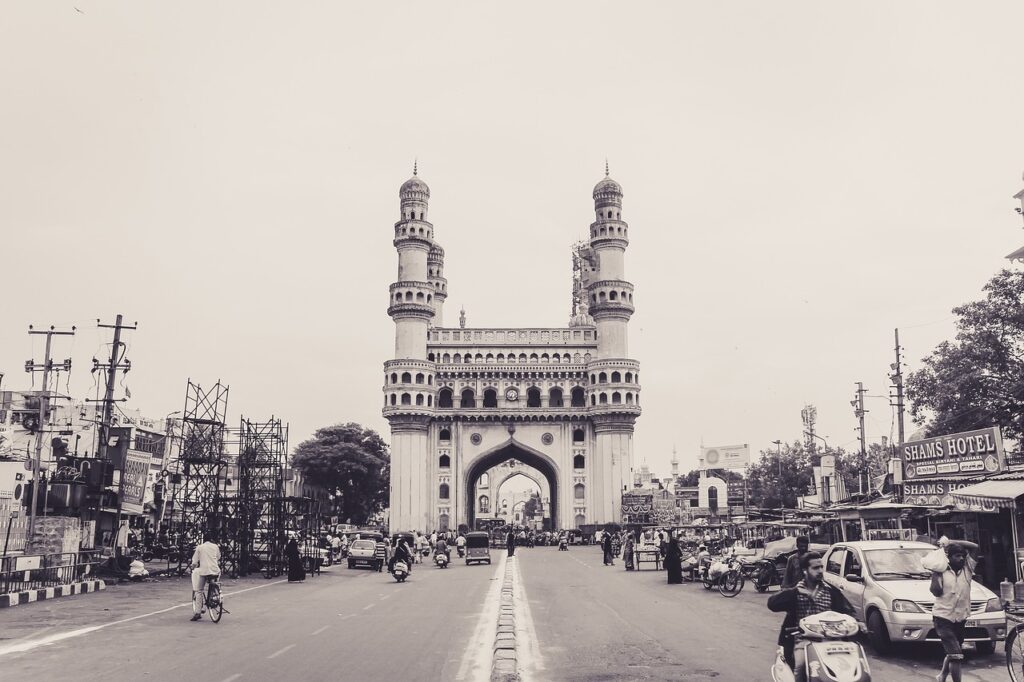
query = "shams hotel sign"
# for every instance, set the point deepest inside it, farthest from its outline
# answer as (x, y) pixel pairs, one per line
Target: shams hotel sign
(934, 468)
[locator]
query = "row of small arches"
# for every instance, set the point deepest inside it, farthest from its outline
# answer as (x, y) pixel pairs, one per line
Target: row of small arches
(413, 231)
(407, 399)
(419, 298)
(611, 296)
(608, 231)
(609, 215)
(406, 378)
(445, 436)
(501, 358)
(411, 215)
(616, 378)
(445, 462)
(616, 399)
(446, 398)
(579, 492)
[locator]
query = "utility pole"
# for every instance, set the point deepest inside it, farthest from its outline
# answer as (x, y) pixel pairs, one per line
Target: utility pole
(117, 362)
(44, 405)
(859, 412)
(897, 383)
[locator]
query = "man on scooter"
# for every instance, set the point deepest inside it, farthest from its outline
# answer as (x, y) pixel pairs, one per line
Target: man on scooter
(441, 547)
(811, 596)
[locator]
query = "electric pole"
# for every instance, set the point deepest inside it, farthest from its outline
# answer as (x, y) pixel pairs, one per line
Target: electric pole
(44, 405)
(117, 362)
(897, 383)
(859, 412)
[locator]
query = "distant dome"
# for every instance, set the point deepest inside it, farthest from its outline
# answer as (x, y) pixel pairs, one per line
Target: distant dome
(607, 186)
(414, 186)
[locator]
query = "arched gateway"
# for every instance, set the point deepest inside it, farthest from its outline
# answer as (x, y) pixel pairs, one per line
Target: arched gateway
(462, 400)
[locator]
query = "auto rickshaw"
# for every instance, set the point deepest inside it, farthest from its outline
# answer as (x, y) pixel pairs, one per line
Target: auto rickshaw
(478, 547)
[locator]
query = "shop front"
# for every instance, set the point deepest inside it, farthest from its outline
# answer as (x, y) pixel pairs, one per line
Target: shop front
(993, 511)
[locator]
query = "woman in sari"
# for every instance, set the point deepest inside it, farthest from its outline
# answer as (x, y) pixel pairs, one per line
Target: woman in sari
(627, 551)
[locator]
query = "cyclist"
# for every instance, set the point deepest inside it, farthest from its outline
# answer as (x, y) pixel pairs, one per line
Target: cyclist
(205, 563)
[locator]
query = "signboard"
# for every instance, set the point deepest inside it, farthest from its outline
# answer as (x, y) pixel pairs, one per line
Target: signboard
(133, 481)
(688, 493)
(735, 493)
(637, 508)
(960, 454)
(726, 456)
(936, 493)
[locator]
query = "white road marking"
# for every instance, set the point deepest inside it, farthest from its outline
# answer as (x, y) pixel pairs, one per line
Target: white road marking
(281, 651)
(233, 677)
(369, 606)
(351, 615)
(386, 596)
(52, 639)
(476, 661)
(321, 630)
(528, 656)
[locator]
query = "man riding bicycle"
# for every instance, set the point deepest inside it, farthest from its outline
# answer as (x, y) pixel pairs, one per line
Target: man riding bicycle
(204, 565)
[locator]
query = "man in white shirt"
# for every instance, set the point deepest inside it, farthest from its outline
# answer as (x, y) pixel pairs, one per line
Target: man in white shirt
(205, 563)
(952, 591)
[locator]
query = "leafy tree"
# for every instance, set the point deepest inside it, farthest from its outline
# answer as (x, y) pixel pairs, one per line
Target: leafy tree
(353, 459)
(767, 489)
(977, 380)
(531, 506)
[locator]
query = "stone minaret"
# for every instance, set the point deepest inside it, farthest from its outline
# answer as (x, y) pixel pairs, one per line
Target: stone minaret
(409, 377)
(615, 383)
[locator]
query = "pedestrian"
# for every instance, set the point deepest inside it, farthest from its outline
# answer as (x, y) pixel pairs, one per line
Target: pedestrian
(627, 551)
(951, 588)
(510, 543)
(380, 554)
(606, 545)
(296, 573)
(794, 573)
(673, 562)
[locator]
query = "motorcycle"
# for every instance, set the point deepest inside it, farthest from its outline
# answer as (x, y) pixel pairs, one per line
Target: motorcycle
(400, 571)
(563, 545)
(829, 651)
(460, 550)
(441, 559)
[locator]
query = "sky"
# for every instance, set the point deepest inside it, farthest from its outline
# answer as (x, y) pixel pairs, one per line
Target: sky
(799, 179)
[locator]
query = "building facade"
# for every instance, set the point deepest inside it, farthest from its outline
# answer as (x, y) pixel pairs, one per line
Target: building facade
(460, 401)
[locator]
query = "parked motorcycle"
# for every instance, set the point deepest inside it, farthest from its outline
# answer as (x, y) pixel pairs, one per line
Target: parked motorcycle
(441, 559)
(400, 571)
(829, 651)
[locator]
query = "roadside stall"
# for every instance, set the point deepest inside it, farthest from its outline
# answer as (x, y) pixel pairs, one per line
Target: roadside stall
(996, 504)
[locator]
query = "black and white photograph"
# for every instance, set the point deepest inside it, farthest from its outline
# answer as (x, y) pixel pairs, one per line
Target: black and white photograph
(537, 342)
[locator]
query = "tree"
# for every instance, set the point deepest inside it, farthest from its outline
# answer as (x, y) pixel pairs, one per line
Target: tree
(766, 489)
(977, 380)
(352, 459)
(531, 506)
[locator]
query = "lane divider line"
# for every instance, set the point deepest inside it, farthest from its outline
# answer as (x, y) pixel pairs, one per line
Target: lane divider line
(232, 678)
(52, 639)
(476, 660)
(505, 656)
(317, 632)
(281, 651)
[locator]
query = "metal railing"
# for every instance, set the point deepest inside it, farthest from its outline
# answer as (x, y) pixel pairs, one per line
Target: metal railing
(20, 573)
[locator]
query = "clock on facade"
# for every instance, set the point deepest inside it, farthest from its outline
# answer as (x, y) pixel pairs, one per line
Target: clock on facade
(511, 393)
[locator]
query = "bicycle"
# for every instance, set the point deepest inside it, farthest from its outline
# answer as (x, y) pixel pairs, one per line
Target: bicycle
(729, 582)
(212, 600)
(1014, 644)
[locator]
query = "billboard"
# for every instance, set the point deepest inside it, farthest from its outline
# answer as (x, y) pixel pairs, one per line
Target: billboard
(736, 493)
(726, 456)
(932, 492)
(133, 481)
(957, 455)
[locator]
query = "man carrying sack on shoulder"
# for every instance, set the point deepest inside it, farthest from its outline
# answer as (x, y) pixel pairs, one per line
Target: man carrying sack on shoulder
(952, 567)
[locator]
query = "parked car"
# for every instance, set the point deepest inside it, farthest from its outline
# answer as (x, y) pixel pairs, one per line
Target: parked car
(362, 552)
(888, 588)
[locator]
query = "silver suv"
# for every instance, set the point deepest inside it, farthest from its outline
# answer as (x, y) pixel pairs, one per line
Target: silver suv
(888, 588)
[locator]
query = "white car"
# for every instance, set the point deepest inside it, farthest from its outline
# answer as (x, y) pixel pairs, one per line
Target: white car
(888, 588)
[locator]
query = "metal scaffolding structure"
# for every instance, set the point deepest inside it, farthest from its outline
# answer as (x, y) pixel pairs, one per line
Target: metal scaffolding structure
(262, 459)
(200, 463)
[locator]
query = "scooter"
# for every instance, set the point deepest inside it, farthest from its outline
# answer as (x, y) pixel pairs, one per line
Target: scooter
(830, 653)
(400, 571)
(441, 559)
(460, 550)
(563, 545)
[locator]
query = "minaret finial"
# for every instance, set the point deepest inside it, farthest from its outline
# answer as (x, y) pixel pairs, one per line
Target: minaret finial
(462, 318)
(415, 166)
(606, 167)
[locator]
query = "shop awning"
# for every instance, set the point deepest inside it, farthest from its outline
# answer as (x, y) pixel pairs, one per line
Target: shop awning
(991, 493)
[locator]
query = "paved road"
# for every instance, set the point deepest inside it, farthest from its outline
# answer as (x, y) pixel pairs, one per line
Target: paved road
(343, 624)
(588, 622)
(602, 623)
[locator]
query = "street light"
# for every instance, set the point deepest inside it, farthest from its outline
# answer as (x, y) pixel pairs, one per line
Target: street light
(821, 438)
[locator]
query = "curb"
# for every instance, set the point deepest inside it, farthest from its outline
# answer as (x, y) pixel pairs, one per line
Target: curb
(504, 664)
(43, 593)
